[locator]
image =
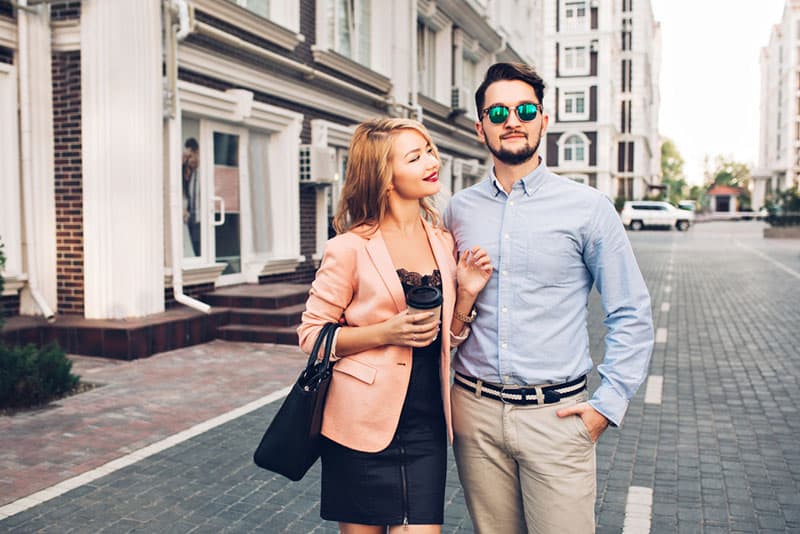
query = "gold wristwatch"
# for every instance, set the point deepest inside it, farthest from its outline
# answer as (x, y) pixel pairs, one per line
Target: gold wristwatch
(464, 318)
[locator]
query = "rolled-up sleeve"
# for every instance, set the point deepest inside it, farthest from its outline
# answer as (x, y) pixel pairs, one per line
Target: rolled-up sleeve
(628, 315)
(331, 291)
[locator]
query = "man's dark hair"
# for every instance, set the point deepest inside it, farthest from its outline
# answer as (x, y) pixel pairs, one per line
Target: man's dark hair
(509, 71)
(191, 144)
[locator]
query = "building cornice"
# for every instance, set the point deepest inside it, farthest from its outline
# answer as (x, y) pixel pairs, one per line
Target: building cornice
(473, 23)
(8, 33)
(66, 35)
(350, 68)
(231, 70)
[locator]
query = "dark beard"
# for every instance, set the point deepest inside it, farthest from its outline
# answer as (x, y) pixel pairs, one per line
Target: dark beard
(513, 158)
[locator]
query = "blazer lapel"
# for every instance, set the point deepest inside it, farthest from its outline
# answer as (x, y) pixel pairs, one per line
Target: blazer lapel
(376, 248)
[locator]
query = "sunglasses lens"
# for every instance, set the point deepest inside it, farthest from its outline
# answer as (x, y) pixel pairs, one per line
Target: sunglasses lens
(498, 114)
(526, 112)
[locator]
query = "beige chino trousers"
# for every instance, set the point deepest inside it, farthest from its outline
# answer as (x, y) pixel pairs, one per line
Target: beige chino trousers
(523, 468)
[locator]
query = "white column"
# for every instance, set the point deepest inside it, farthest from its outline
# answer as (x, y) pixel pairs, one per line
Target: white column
(10, 206)
(122, 158)
(39, 148)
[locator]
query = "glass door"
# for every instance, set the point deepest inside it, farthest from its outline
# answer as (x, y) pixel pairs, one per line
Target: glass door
(226, 183)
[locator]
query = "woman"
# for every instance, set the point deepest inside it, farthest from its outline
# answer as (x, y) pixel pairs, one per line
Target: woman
(387, 415)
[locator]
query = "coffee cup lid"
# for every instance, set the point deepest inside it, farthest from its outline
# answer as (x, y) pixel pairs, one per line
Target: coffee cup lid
(424, 297)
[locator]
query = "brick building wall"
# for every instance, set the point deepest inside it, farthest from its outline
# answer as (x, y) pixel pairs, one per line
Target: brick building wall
(66, 69)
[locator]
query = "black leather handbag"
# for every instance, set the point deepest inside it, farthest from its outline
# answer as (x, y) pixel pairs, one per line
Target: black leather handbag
(291, 443)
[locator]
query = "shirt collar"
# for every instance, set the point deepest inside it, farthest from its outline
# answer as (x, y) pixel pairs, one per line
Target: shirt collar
(529, 183)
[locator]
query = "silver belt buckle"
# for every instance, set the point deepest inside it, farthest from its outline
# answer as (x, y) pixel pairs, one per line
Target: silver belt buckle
(502, 391)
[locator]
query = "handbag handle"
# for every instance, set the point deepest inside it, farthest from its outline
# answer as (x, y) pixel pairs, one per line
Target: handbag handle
(315, 370)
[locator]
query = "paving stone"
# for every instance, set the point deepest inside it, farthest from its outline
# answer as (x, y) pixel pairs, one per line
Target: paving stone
(719, 453)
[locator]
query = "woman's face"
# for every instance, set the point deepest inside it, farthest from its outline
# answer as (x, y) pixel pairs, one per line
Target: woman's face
(415, 169)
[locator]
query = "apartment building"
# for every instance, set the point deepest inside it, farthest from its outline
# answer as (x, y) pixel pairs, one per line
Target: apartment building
(601, 61)
(779, 135)
(153, 151)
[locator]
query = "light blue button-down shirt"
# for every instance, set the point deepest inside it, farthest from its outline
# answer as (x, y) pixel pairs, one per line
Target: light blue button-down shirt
(550, 240)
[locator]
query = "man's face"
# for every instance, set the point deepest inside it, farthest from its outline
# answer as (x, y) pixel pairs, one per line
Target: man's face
(190, 158)
(513, 141)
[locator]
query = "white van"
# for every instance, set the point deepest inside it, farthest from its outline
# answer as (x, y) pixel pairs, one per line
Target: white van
(638, 214)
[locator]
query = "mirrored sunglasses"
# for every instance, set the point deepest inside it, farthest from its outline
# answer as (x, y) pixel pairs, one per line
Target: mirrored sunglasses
(498, 114)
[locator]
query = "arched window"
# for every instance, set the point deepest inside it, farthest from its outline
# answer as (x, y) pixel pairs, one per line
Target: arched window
(574, 149)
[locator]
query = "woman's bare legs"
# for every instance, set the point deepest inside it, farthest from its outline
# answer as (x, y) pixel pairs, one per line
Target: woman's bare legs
(353, 528)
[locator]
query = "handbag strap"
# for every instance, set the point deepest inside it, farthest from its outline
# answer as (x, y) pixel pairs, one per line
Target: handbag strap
(312, 356)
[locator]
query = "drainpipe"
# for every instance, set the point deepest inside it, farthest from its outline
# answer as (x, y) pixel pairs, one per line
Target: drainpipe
(172, 35)
(414, 104)
(25, 146)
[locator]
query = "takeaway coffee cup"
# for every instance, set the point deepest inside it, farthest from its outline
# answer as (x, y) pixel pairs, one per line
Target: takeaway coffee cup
(424, 299)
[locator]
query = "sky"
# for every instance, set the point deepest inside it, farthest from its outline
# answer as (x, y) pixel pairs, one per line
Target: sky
(710, 76)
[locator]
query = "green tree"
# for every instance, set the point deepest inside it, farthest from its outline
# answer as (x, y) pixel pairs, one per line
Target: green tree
(731, 173)
(672, 174)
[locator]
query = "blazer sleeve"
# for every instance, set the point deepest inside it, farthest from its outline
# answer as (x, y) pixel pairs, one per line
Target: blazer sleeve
(331, 291)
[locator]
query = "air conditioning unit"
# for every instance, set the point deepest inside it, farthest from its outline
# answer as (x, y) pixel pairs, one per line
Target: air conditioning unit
(317, 164)
(459, 99)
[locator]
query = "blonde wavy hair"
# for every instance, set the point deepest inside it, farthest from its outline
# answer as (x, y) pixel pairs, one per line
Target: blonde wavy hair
(364, 199)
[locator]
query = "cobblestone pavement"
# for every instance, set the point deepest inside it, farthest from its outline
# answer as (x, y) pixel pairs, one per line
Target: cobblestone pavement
(717, 445)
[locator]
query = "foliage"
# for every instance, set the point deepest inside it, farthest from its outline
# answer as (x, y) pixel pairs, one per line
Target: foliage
(672, 174)
(731, 173)
(728, 172)
(31, 375)
(698, 194)
(619, 203)
(784, 208)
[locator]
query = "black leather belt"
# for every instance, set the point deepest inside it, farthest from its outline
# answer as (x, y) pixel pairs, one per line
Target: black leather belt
(549, 394)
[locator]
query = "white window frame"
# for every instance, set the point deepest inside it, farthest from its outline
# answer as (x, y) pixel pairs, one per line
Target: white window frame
(282, 28)
(565, 148)
(426, 59)
(237, 108)
(355, 21)
(337, 136)
(575, 60)
(572, 17)
(10, 209)
(568, 104)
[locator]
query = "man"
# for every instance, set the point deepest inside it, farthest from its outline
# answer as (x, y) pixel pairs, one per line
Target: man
(524, 431)
(191, 193)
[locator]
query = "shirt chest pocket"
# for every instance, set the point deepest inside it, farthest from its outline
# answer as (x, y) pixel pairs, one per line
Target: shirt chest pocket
(554, 260)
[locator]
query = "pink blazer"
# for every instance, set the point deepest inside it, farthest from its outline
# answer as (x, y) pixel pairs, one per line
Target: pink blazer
(357, 280)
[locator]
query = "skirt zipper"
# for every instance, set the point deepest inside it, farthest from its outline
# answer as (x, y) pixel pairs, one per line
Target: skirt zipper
(404, 482)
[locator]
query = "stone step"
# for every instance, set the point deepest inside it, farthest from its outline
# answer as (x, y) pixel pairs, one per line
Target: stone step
(263, 297)
(281, 335)
(285, 316)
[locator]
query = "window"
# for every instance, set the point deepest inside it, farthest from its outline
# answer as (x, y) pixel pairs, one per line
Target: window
(625, 119)
(627, 34)
(627, 75)
(574, 105)
(574, 102)
(575, 60)
(625, 188)
(575, 9)
(259, 7)
(627, 6)
(349, 29)
(426, 59)
(574, 150)
(574, 15)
